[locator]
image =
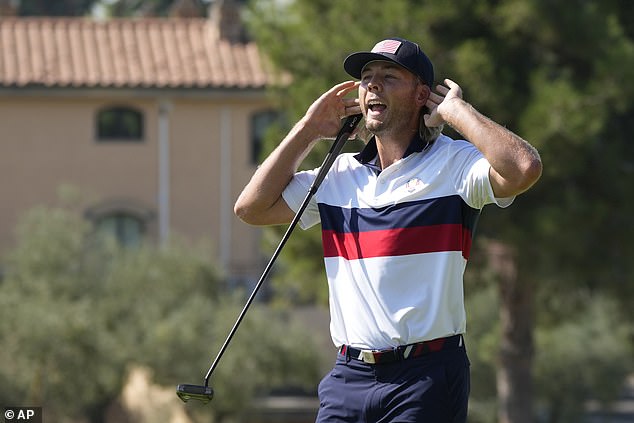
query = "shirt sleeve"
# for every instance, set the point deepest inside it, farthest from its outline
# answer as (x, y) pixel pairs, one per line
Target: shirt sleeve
(295, 193)
(470, 173)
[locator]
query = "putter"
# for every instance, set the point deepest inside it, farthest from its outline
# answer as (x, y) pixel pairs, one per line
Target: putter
(204, 392)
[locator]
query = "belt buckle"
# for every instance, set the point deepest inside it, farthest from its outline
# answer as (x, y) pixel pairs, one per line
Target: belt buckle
(367, 356)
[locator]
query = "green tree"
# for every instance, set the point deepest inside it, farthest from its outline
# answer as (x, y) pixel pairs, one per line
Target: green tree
(122, 8)
(595, 332)
(113, 8)
(76, 311)
(54, 8)
(578, 357)
(556, 72)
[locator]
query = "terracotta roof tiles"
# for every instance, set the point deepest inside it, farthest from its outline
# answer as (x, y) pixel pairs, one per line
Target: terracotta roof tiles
(78, 52)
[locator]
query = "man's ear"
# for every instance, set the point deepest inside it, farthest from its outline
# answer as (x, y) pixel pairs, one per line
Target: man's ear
(423, 94)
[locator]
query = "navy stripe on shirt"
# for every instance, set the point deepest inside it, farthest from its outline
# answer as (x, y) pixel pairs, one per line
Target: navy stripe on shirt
(430, 225)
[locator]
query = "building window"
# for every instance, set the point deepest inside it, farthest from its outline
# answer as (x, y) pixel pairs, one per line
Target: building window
(261, 122)
(126, 229)
(129, 222)
(119, 124)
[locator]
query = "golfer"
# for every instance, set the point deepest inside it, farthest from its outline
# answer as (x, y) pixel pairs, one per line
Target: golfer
(397, 223)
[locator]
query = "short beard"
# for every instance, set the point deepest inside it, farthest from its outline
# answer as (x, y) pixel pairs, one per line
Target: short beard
(375, 127)
(428, 135)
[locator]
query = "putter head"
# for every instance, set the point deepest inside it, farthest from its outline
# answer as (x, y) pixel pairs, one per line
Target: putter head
(196, 392)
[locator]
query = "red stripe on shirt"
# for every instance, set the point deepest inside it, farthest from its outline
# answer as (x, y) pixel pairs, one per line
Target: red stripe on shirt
(397, 242)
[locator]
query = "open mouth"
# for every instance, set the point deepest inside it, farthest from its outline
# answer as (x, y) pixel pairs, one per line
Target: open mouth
(376, 107)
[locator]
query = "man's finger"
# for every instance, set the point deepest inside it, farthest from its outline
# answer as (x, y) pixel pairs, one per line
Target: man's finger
(344, 88)
(442, 89)
(436, 98)
(448, 82)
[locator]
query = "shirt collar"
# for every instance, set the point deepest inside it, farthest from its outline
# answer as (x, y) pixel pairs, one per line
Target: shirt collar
(369, 153)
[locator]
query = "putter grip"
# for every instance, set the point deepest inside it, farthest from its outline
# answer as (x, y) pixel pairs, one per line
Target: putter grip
(349, 124)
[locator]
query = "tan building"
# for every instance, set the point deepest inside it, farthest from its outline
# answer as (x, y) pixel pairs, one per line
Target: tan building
(156, 121)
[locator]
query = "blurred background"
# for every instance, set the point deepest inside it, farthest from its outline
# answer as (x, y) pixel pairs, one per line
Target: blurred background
(129, 127)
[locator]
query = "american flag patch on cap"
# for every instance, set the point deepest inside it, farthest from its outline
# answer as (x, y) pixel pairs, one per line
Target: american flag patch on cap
(387, 46)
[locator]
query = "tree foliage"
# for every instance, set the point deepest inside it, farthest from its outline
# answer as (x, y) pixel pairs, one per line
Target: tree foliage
(111, 8)
(147, 8)
(584, 355)
(76, 311)
(54, 8)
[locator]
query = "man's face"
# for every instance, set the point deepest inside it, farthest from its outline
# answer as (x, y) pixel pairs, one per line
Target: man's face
(390, 97)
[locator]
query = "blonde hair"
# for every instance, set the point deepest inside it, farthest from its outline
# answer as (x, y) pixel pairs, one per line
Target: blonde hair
(428, 135)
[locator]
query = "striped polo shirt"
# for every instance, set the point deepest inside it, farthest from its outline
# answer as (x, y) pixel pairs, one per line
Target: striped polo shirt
(396, 241)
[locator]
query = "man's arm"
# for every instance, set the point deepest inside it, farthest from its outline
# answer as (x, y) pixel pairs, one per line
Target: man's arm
(515, 164)
(261, 202)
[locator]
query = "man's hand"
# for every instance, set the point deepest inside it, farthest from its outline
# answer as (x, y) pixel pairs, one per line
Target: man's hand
(323, 117)
(439, 103)
(261, 202)
(515, 164)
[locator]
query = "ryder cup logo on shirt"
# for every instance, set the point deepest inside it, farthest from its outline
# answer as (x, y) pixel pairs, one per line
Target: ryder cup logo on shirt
(413, 184)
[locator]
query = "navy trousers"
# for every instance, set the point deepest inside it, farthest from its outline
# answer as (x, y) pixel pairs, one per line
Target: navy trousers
(433, 388)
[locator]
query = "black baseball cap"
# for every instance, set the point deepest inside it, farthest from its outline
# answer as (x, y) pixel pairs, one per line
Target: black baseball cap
(397, 50)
